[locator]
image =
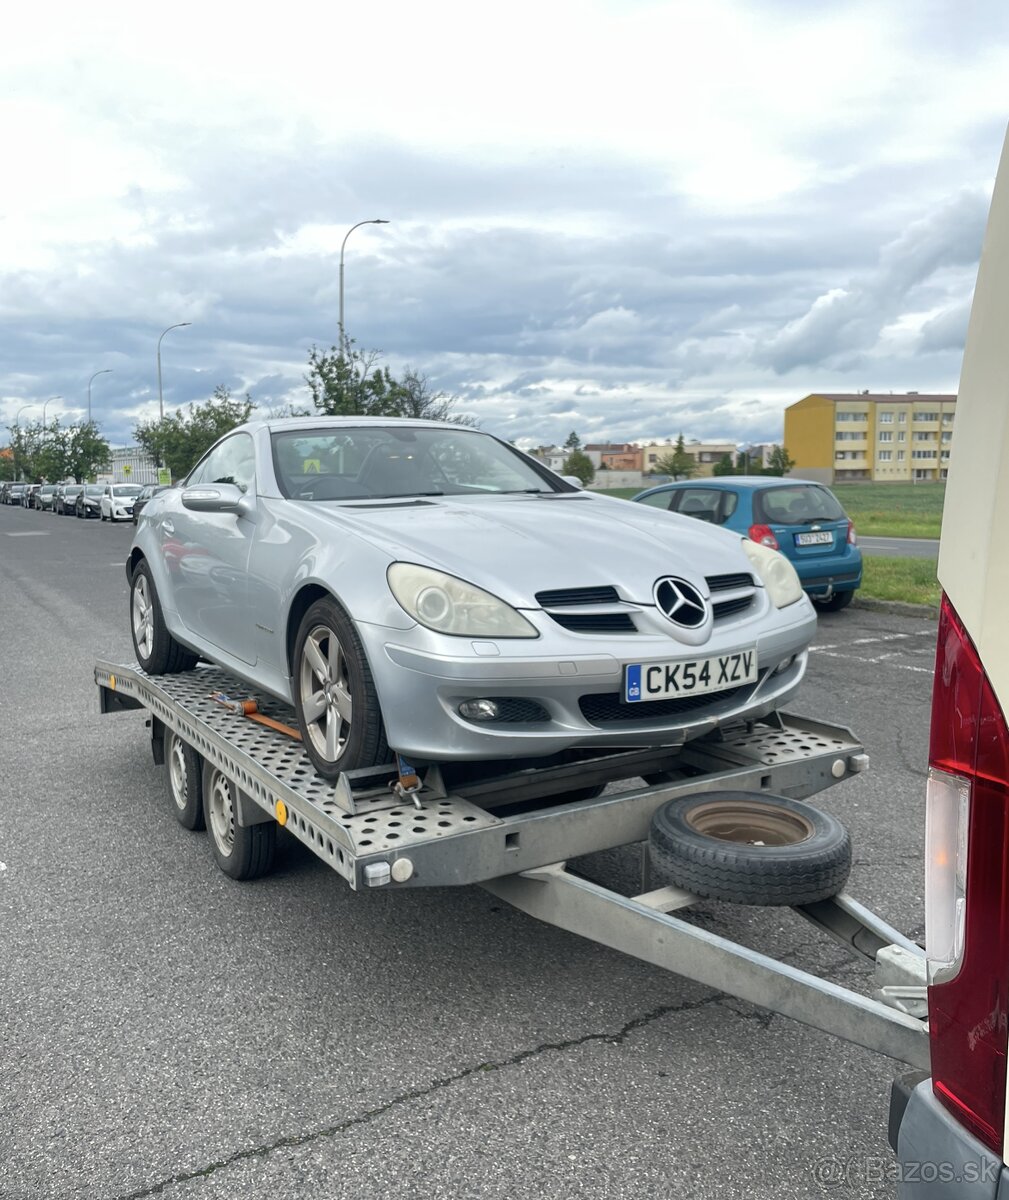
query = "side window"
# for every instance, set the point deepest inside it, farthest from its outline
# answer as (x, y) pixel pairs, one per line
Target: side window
(664, 500)
(704, 504)
(232, 461)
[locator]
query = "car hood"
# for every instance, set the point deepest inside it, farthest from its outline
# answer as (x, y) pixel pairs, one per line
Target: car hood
(516, 546)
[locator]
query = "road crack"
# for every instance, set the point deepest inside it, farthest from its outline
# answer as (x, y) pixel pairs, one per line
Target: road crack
(294, 1141)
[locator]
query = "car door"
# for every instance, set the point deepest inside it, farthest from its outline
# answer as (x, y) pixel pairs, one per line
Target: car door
(210, 579)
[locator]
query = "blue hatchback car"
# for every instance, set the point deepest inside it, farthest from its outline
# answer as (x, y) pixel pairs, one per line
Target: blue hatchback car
(799, 517)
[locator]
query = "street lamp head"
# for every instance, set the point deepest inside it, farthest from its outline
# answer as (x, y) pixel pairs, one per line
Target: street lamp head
(380, 221)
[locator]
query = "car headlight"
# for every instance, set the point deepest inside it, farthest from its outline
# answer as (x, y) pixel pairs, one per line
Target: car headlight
(776, 573)
(449, 605)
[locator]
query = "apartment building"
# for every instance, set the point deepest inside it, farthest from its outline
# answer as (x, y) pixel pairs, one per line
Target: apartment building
(129, 464)
(883, 437)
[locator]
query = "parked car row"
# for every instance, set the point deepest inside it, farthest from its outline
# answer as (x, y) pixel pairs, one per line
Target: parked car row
(108, 501)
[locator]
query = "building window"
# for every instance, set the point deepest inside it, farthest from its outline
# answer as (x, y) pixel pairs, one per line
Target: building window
(853, 416)
(923, 454)
(924, 437)
(926, 416)
(886, 418)
(902, 418)
(849, 437)
(947, 418)
(947, 437)
(885, 455)
(902, 436)
(900, 455)
(886, 437)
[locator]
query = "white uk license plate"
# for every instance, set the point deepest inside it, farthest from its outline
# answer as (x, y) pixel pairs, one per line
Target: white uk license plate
(689, 676)
(825, 538)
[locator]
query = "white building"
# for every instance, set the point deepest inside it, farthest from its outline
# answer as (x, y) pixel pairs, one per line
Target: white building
(129, 464)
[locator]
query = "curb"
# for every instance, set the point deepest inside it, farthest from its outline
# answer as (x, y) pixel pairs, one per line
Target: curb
(898, 607)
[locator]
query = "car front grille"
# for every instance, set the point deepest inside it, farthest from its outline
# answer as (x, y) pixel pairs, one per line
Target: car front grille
(728, 608)
(565, 597)
(725, 583)
(606, 708)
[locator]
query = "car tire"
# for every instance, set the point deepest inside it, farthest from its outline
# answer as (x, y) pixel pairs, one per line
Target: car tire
(104, 517)
(241, 851)
(185, 780)
(838, 601)
(334, 693)
(157, 651)
(750, 848)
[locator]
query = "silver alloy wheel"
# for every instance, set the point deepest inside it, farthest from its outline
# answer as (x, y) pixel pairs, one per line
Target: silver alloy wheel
(325, 693)
(143, 618)
(221, 811)
(178, 776)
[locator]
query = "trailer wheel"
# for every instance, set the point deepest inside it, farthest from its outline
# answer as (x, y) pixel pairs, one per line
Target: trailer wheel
(185, 780)
(241, 851)
(157, 651)
(334, 693)
(750, 848)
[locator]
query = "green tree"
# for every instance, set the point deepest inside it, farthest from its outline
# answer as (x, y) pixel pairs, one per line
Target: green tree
(352, 384)
(183, 437)
(679, 463)
(86, 451)
(419, 399)
(578, 463)
(724, 466)
(779, 462)
(573, 442)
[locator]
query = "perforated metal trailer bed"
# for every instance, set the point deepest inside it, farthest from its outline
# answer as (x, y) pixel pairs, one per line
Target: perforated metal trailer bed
(513, 830)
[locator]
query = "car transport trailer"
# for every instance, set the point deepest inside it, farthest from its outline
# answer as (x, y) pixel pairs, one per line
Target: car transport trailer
(717, 810)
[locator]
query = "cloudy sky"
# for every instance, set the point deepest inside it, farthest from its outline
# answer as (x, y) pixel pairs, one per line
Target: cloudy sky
(626, 218)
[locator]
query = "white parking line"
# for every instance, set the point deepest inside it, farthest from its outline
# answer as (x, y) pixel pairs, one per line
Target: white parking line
(29, 533)
(881, 658)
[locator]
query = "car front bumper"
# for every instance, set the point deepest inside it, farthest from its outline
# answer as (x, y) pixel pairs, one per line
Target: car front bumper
(936, 1158)
(562, 696)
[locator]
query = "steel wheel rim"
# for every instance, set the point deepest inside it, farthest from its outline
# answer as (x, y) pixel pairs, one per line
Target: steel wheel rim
(178, 776)
(222, 814)
(750, 824)
(143, 618)
(324, 688)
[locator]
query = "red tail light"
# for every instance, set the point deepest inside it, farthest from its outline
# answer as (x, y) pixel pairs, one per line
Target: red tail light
(852, 538)
(763, 535)
(968, 996)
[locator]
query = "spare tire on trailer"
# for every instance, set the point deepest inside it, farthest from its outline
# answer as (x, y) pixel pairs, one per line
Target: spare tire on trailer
(750, 848)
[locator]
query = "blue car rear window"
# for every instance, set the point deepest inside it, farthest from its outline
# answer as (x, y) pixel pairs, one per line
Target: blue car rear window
(798, 504)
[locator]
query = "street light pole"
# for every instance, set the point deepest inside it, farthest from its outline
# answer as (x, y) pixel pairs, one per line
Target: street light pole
(17, 436)
(161, 399)
(44, 407)
(374, 221)
(106, 371)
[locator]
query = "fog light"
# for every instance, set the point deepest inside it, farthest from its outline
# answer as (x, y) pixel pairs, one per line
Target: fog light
(783, 666)
(479, 710)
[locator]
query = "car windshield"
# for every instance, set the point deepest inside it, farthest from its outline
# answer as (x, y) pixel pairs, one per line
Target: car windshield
(797, 504)
(126, 489)
(73, 490)
(376, 462)
(95, 489)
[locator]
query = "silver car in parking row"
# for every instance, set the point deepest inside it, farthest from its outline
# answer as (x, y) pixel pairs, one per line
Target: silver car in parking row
(427, 587)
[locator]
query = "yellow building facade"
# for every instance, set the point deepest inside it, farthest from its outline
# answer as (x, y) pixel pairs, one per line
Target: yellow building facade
(883, 437)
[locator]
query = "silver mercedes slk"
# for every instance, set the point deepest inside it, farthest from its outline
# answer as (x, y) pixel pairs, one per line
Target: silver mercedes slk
(428, 588)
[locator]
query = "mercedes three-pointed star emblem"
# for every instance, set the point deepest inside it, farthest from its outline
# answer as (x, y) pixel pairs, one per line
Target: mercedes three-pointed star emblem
(680, 602)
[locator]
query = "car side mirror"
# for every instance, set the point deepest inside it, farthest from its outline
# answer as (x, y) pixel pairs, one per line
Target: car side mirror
(574, 480)
(218, 498)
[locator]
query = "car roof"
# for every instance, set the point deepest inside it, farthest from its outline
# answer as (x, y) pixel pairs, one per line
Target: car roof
(750, 483)
(321, 421)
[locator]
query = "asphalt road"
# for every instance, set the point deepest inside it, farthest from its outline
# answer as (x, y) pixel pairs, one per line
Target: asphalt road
(900, 547)
(167, 1032)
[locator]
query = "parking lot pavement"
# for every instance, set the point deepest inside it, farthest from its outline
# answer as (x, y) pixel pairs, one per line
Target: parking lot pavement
(900, 547)
(168, 1032)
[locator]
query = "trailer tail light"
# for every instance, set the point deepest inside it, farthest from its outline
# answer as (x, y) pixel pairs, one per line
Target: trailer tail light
(852, 536)
(763, 535)
(967, 887)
